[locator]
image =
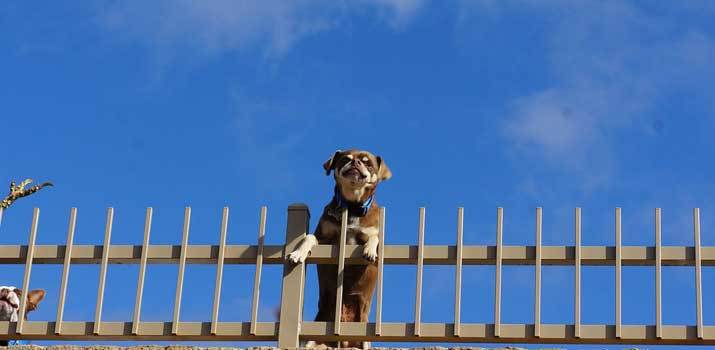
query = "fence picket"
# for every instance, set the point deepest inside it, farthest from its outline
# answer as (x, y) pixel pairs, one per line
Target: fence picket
(341, 271)
(103, 271)
(66, 270)
(142, 271)
(292, 290)
(537, 276)
(458, 273)
(182, 268)
(497, 283)
(618, 273)
(698, 275)
(577, 273)
(259, 267)
(420, 268)
(380, 267)
(658, 277)
(28, 270)
(219, 270)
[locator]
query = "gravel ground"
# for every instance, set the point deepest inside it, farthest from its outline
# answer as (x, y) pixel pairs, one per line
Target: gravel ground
(179, 347)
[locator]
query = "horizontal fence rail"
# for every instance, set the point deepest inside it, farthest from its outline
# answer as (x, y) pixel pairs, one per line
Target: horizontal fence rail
(394, 255)
(292, 328)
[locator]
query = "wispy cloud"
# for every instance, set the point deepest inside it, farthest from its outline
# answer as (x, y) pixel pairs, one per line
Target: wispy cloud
(223, 25)
(267, 129)
(566, 122)
(611, 63)
(398, 13)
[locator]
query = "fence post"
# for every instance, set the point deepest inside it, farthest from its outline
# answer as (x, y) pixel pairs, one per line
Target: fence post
(293, 279)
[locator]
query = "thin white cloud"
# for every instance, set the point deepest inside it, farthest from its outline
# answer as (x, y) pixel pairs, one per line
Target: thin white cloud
(567, 121)
(217, 26)
(398, 13)
(611, 63)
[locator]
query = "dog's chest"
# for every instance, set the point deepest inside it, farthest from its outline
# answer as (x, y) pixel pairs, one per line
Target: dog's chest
(353, 231)
(357, 232)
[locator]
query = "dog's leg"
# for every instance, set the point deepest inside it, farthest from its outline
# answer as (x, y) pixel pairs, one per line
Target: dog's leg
(370, 248)
(364, 314)
(302, 252)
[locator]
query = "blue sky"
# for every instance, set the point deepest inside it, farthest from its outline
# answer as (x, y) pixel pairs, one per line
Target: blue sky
(478, 104)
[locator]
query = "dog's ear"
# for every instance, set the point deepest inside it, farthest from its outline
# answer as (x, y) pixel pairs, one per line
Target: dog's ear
(36, 295)
(34, 298)
(383, 172)
(330, 163)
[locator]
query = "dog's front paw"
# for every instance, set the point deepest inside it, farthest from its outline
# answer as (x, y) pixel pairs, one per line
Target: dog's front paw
(297, 257)
(370, 253)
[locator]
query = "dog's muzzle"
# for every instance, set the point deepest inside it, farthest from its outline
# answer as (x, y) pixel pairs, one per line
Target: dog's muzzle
(10, 303)
(355, 171)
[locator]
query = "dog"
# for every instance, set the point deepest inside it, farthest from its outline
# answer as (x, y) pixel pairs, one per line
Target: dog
(10, 304)
(357, 174)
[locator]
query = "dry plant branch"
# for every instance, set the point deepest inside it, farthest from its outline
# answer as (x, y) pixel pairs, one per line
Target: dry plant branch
(19, 191)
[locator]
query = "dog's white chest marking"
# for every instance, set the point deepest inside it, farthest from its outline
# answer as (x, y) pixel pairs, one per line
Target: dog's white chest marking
(354, 229)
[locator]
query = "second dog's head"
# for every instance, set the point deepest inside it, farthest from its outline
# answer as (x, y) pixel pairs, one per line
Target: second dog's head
(10, 302)
(357, 173)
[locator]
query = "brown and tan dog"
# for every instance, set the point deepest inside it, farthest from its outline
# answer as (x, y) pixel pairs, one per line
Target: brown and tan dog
(10, 303)
(357, 174)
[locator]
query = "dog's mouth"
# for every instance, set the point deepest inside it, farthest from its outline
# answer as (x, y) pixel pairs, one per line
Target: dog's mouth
(354, 174)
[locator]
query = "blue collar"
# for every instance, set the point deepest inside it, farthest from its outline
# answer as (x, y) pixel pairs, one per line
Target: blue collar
(354, 208)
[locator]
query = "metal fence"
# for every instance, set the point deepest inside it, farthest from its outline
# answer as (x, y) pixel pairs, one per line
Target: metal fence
(291, 326)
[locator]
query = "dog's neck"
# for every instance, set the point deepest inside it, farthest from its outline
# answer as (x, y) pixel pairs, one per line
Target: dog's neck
(355, 208)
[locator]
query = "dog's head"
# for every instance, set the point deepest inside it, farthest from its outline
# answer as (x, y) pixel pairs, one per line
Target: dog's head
(10, 302)
(357, 173)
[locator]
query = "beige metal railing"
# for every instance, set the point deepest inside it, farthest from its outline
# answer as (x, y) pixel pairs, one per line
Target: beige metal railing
(291, 328)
